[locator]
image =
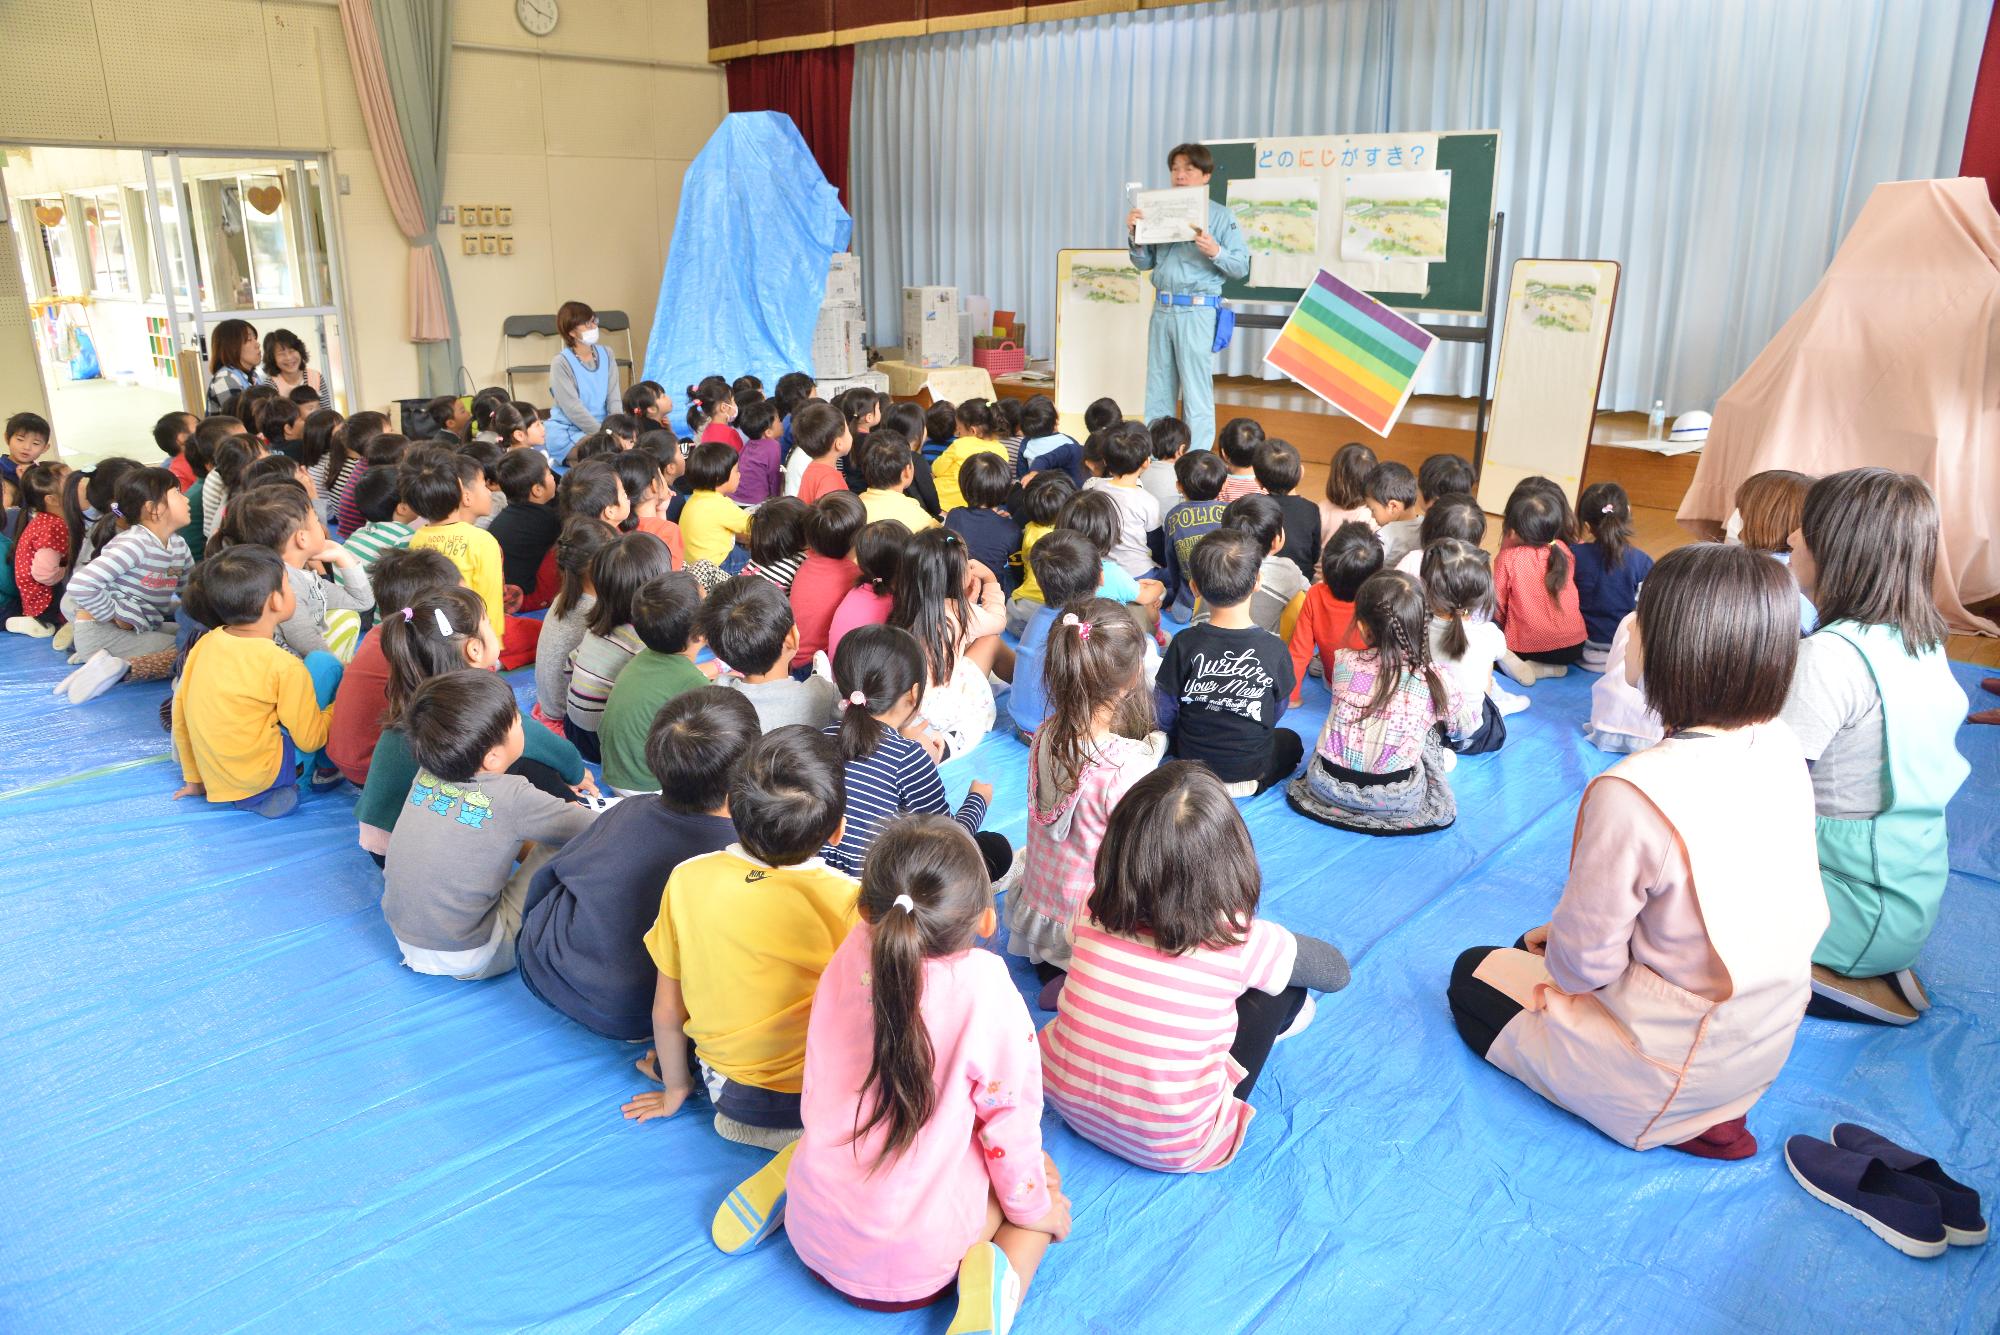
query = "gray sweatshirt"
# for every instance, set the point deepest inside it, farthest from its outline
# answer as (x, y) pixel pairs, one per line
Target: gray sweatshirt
(304, 631)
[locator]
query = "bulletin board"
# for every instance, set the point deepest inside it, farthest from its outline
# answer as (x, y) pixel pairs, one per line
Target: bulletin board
(1104, 307)
(1551, 364)
(1296, 230)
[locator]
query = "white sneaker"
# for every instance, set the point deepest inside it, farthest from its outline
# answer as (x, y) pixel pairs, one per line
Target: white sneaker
(104, 670)
(32, 627)
(1299, 1021)
(1506, 701)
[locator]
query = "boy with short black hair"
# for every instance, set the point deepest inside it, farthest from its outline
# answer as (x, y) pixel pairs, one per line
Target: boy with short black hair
(450, 888)
(1200, 475)
(888, 467)
(1170, 442)
(828, 573)
(378, 495)
(821, 438)
(1237, 443)
(748, 623)
(1102, 415)
(1391, 496)
(448, 416)
(171, 434)
(1223, 684)
(741, 939)
(663, 613)
(762, 475)
(1326, 620)
(1278, 580)
(528, 528)
(28, 438)
(1127, 449)
(583, 927)
(1278, 471)
(1067, 568)
(448, 491)
(992, 536)
(1444, 475)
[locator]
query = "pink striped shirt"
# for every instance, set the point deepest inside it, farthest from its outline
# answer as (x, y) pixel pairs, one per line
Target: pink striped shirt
(1137, 1059)
(1057, 874)
(1246, 485)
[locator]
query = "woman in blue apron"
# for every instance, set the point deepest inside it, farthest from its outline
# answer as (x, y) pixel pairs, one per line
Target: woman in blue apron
(583, 382)
(1876, 710)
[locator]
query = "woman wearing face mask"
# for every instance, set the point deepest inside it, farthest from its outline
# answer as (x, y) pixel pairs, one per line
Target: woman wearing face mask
(285, 366)
(582, 382)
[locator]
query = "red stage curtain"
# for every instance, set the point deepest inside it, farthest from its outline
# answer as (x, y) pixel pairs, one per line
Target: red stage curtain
(814, 88)
(1982, 128)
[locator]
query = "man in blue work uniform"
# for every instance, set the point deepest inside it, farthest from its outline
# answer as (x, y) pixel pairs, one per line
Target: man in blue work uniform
(1180, 346)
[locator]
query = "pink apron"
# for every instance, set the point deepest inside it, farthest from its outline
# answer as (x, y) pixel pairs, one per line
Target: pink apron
(1646, 1062)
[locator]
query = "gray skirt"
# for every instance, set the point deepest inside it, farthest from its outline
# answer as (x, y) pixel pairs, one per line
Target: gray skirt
(1416, 801)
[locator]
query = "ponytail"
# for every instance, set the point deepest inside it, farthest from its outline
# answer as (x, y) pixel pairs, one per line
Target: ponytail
(1557, 574)
(875, 667)
(1605, 509)
(1456, 641)
(582, 536)
(900, 1065)
(425, 640)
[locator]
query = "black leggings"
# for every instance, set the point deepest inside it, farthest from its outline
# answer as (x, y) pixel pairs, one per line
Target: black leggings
(1479, 1009)
(1260, 1018)
(1569, 656)
(1287, 749)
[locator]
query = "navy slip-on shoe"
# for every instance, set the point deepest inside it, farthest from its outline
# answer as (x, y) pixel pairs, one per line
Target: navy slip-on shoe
(1964, 1226)
(1897, 1208)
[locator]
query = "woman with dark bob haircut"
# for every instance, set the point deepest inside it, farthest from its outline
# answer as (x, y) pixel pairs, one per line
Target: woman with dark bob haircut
(1877, 712)
(1660, 1000)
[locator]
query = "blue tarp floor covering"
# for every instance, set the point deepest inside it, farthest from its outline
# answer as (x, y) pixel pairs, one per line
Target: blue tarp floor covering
(225, 1104)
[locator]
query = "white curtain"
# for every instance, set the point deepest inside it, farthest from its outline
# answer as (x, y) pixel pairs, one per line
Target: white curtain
(1718, 149)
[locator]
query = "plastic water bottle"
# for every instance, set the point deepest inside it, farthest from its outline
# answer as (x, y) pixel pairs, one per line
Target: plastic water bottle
(1656, 421)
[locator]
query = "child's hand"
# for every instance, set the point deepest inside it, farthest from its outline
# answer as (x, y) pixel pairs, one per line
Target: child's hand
(1056, 1222)
(1536, 940)
(190, 790)
(976, 569)
(588, 784)
(333, 554)
(981, 788)
(656, 1103)
(1151, 591)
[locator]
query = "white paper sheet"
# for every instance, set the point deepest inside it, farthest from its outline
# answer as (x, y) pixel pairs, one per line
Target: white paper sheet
(1395, 216)
(1167, 216)
(1279, 219)
(1329, 159)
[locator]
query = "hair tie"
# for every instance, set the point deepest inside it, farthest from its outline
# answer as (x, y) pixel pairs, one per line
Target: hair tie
(409, 614)
(1608, 507)
(116, 511)
(905, 903)
(444, 623)
(857, 699)
(1082, 626)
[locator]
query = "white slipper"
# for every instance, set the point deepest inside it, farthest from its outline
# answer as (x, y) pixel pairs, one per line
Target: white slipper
(104, 670)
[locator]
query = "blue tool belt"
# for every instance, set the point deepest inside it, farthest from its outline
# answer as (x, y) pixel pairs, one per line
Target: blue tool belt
(1188, 299)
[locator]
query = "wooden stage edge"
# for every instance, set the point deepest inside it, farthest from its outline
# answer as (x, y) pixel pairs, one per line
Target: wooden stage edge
(1433, 424)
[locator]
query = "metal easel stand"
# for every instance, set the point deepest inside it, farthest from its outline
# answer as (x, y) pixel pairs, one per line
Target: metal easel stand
(1483, 334)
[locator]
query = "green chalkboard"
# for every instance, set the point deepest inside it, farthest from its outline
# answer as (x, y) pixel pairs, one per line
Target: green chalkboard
(1459, 284)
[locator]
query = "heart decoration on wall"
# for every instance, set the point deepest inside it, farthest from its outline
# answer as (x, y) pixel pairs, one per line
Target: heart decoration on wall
(49, 215)
(265, 198)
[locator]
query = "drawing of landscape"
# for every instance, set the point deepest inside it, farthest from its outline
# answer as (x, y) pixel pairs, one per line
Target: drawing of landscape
(1569, 307)
(1277, 216)
(1095, 283)
(1396, 215)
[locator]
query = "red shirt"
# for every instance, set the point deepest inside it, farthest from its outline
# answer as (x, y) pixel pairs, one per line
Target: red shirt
(1535, 623)
(820, 477)
(182, 470)
(1325, 625)
(723, 432)
(358, 704)
(817, 589)
(43, 532)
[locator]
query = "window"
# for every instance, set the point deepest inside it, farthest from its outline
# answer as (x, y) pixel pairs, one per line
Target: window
(51, 216)
(105, 237)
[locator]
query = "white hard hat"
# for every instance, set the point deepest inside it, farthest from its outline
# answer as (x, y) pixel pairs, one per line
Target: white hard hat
(1690, 427)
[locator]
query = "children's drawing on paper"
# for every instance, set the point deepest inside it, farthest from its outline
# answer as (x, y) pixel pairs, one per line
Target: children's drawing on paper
(1094, 283)
(1569, 308)
(1279, 218)
(1396, 215)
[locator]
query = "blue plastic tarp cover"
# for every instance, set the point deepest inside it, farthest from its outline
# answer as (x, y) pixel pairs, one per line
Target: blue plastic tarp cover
(746, 273)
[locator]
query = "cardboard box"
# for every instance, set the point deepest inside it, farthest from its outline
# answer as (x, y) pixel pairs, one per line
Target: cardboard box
(840, 342)
(843, 281)
(930, 326)
(874, 380)
(940, 382)
(904, 379)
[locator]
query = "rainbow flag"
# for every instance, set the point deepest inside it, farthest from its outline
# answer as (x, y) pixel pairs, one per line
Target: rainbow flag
(1352, 351)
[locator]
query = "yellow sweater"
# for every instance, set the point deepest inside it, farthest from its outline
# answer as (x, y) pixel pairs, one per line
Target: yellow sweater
(236, 692)
(476, 553)
(944, 469)
(881, 503)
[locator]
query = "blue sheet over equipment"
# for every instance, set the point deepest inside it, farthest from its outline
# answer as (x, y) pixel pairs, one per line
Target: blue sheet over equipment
(224, 1103)
(747, 269)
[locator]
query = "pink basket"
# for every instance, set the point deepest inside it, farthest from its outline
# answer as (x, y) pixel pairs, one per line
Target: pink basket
(1009, 358)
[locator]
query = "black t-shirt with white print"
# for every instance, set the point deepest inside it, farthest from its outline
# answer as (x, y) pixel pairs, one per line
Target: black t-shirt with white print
(1231, 686)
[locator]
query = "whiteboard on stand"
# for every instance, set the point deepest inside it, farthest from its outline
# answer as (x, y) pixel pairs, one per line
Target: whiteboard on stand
(1104, 306)
(1551, 363)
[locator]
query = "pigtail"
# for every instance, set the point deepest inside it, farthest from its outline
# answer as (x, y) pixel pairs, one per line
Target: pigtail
(425, 640)
(1557, 574)
(874, 667)
(1456, 641)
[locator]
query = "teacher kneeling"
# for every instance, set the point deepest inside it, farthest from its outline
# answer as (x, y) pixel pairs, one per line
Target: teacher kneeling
(1188, 276)
(1877, 711)
(1661, 999)
(583, 382)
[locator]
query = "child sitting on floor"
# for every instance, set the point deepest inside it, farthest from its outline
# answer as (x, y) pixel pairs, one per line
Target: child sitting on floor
(1041, 506)
(1237, 443)
(1609, 569)
(246, 708)
(1379, 766)
(1097, 741)
(1224, 682)
(1391, 496)
(1451, 516)
(1769, 508)
(448, 491)
(973, 422)
(1347, 489)
(878, 554)
(712, 524)
(952, 605)
(1128, 448)
(891, 753)
(991, 534)
(748, 624)
(1534, 586)
(617, 573)
(1165, 1083)
(125, 598)
(828, 573)
(527, 529)
(282, 518)
(1169, 436)
(644, 483)
(762, 475)
(922, 1155)
(777, 541)
(399, 577)
(740, 940)
(41, 551)
(443, 630)
(822, 440)
(1068, 569)
(583, 923)
(1096, 516)
(888, 467)
(451, 892)
(379, 498)
(1458, 582)
(663, 616)
(568, 619)
(1045, 447)
(1278, 580)
(1326, 618)
(1278, 471)
(1201, 475)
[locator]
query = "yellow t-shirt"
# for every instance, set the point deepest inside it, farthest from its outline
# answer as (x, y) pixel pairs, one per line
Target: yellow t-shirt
(236, 692)
(1030, 587)
(476, 553)
(881, 503)
(944, 469)
(710, 522)
(747, 943)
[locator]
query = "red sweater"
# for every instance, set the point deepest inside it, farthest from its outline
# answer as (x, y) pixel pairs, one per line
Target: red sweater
(1535, 623)
(817, 589)
(43, 532)
(1325, 625)
(357, 709)
(820, 477)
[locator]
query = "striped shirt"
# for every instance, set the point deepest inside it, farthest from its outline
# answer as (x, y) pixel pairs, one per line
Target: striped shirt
(898, 778)
(134, 579)
(381, 536)
(1239, 484)
(780, 573)
(1137, 1059)
(594, 669)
